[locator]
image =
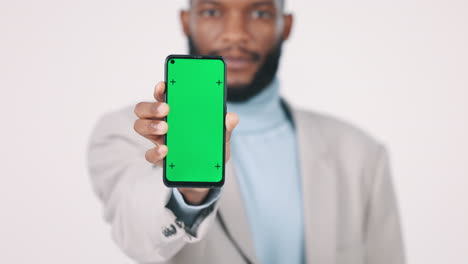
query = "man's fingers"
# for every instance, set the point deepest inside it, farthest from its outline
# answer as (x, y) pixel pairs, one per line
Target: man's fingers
(156, 155)
(151, 110)
(231, 122)
(150, 128)
(157, 140)
(159, 91)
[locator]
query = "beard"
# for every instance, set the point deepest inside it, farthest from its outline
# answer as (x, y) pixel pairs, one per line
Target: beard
(262, 78)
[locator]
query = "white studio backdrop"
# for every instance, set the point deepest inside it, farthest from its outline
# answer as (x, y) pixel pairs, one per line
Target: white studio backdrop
(398, 69)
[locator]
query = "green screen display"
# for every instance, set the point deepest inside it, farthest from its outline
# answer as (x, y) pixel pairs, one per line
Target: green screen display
(195, 138)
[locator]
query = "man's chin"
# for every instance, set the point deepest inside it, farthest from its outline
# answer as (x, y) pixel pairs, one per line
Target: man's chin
(237, 84)
(259, 76)
(238, 93)
(243, 77)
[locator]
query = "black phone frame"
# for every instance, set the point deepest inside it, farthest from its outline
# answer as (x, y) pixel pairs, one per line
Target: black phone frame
(196, 184)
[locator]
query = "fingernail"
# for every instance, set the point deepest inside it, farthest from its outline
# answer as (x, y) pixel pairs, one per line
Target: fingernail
(156, 126)
(160, 108)
(161, 150)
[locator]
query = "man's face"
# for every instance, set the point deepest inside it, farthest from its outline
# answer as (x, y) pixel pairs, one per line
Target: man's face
(245, 32)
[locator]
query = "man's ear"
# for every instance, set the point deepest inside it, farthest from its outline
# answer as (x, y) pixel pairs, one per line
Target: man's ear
(184, 19)
(287, 26)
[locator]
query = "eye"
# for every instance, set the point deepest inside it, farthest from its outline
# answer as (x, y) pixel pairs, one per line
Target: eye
(262, 14)
(210, 13)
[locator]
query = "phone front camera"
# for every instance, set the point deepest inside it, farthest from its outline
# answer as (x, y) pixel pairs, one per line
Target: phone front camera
(172, 61)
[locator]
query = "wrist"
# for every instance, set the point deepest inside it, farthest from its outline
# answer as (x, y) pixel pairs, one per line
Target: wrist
(194, 196)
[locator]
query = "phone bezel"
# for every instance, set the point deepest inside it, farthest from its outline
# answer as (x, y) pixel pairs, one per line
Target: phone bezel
(196, 184)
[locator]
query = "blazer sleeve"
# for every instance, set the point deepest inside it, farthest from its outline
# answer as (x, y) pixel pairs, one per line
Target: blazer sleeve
(384, 242)
(186, 212)
(134, 197)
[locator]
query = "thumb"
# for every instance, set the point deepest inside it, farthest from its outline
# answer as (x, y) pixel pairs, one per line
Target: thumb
(231, 122)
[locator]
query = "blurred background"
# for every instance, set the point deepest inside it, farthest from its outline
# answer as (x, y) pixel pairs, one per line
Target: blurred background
(398, 69)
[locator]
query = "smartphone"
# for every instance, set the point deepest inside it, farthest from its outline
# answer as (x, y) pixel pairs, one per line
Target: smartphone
(196, 135)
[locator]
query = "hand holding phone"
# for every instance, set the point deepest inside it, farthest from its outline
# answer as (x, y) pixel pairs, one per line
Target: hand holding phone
(151, 125)
(196, 92)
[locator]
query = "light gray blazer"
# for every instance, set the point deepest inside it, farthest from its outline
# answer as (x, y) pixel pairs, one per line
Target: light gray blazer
(350, 209)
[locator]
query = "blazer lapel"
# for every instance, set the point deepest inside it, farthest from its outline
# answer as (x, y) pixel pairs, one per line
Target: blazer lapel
(319, 195)
(319, 190)
(234, 215)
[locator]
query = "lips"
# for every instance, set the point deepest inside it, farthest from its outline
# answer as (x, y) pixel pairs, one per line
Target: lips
(238, 58)
(237, 63)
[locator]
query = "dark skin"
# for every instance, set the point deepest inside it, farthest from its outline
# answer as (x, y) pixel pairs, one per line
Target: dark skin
(242, 31)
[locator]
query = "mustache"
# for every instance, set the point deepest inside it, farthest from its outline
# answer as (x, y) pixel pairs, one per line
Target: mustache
(252, 55)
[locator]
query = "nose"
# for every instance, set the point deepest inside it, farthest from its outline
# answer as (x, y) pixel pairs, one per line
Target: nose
(235, 29)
